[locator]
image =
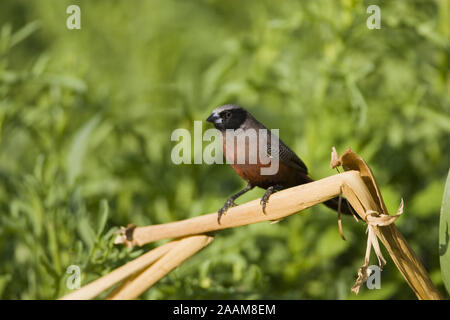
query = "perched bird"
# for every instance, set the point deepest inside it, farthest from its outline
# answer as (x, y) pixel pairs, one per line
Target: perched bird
(234, 122)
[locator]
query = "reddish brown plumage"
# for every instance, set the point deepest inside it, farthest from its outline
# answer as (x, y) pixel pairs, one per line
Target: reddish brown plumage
(286, 176)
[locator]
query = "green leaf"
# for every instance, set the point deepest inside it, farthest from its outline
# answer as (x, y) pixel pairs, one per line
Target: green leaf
(24, 33)
(103, 217)
(86, 233)
(78, 149)
(444, 235)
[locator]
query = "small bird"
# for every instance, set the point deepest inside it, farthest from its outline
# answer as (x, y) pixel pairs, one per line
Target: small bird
(291, 169)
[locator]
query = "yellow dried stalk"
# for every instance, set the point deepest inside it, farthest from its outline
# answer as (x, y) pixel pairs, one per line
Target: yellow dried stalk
(183, 250)
(281, 205)
(96, 287)
(368, 194)
(357, 184)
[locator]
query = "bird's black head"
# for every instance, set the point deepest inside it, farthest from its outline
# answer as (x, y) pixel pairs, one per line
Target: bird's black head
(228, 116)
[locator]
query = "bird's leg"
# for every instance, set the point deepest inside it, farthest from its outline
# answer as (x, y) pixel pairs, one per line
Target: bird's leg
(265, 198)
(230, 202)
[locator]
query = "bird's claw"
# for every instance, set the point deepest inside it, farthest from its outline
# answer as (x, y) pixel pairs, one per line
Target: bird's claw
(263, 203)
(265, 197)
(230, 203)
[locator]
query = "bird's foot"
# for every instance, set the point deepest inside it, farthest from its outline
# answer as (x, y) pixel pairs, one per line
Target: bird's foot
(230, 203)
(265, 198)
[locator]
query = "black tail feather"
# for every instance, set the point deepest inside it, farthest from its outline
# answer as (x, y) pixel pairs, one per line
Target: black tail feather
(346, 208)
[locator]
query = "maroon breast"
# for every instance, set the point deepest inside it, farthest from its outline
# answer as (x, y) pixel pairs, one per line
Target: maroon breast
(249, 168)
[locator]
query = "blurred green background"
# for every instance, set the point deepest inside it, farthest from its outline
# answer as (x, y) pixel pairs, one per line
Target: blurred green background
(86, 117)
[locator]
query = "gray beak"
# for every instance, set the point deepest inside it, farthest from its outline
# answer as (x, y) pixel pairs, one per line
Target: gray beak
(214, 118)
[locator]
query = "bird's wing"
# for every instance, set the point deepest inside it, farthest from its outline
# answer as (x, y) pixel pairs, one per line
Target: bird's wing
(291, 159)
(288, 157)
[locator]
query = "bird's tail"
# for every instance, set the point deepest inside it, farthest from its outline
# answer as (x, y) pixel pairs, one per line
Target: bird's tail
(346, 208)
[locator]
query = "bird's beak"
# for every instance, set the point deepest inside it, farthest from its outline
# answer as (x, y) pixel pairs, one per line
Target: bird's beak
(214, 118)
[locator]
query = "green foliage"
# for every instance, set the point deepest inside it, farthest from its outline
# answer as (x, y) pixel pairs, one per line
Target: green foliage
(444, 236)
(86, 117)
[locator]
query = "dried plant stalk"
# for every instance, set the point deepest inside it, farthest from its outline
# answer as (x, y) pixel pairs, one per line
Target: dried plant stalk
(357, 184)
(365, 196)
(408, 263)
(96, 287)
(183, 250)
(281, 205)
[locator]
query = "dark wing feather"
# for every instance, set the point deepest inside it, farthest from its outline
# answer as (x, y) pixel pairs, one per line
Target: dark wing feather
(288, 157)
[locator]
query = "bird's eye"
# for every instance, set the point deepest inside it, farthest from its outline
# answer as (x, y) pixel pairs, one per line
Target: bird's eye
(228, 115)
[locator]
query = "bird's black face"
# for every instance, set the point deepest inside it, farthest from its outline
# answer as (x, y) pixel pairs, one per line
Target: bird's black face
(228, 119)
